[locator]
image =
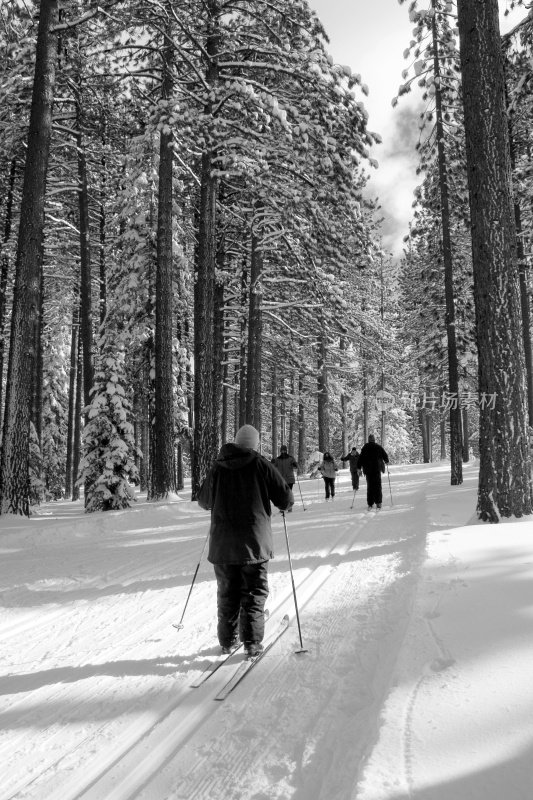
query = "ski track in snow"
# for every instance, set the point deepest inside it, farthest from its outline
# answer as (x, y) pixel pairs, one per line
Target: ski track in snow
(95, 697)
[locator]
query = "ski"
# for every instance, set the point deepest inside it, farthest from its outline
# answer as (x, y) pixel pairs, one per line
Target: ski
(213, 666)
(218, 662)
(245, 666)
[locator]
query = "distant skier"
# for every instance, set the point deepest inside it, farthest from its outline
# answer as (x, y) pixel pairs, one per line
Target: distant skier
(353, 457)
(286, 464)
(238, 491)
(372, 461)
(328, 469)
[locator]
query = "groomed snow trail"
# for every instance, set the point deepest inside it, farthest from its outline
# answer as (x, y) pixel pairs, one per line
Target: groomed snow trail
(95, 687)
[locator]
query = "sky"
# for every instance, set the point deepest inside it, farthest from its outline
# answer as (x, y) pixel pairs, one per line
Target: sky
(417, 621)
(370, 36)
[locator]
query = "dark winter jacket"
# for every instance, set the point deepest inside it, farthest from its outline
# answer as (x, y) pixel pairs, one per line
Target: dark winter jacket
(286, 464)
(238, 490)
(370, 459)
(353, 459)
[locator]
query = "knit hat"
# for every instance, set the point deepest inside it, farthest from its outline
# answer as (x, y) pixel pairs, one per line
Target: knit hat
(247, 437)
(371, 437)
(283, 448)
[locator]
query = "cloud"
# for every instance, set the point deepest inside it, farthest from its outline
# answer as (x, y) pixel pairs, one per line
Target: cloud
(395, 180)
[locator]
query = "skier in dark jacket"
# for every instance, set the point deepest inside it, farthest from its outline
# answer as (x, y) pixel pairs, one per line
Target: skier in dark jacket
(370, 460)
(238, 490)
(286, 464)
(353, 457)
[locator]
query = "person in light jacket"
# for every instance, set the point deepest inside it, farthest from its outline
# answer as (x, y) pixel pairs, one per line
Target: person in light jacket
(238, 490)
(328, 469)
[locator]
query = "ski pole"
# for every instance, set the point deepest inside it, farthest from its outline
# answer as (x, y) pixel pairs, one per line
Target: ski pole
(301, 650)
(179, 625)
(300, 488)
(390, 490)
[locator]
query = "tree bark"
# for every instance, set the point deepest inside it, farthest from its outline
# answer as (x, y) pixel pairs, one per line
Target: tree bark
(505, 465)
(323, 395)
(86, 315)
(163, 476)
(456, 447)
(302, 453)
(14, 472)
(253, 367)
(74, 338)
(4, 272)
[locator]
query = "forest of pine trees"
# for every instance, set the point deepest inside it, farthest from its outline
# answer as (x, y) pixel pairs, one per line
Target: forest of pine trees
(187, 244)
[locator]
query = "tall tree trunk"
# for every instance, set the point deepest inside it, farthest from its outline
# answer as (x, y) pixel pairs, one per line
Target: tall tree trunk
(4, 273)
(323, 394)
(163, 477)
(424, 431)
(253, 368)
(443, 439)
(242, 352)
(344, 423)
(204, 288)
(365, 404)
(456, 447)
(37, 399)
(76, 438)
(302, 452)
(505, 464)
(523, 269)
(74, 345)
(14, 471)
(466, 436)
(86, 315)
(218, 376)
(274, 412)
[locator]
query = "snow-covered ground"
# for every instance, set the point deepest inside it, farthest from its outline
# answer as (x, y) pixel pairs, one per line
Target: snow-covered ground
(418, 682)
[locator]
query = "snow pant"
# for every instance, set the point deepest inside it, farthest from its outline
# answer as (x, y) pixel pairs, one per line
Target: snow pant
(290, 485)
(242, 590)
(330, 486)
(355, 479)
(374, 493)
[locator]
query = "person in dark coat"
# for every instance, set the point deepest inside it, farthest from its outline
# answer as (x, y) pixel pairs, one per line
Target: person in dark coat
(370, 459)
(353, 457)
(328, 469)
(286, 464)
(238, 491)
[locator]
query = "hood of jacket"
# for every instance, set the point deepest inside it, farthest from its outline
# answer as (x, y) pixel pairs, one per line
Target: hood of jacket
(233, 457)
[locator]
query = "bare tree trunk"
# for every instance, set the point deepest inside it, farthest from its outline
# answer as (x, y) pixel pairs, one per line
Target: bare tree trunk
(424, 431)
(4, 273)
(14, 472)
(76, 443)
(242, 353)
(274, 412)
(302, 453)
(74, 347)
(466, 437)
(323, 394)
(218, 326)
(86, 320)
(253, 369)
(505, 463)
(456, 448)
(523, 269)
(163, 476)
